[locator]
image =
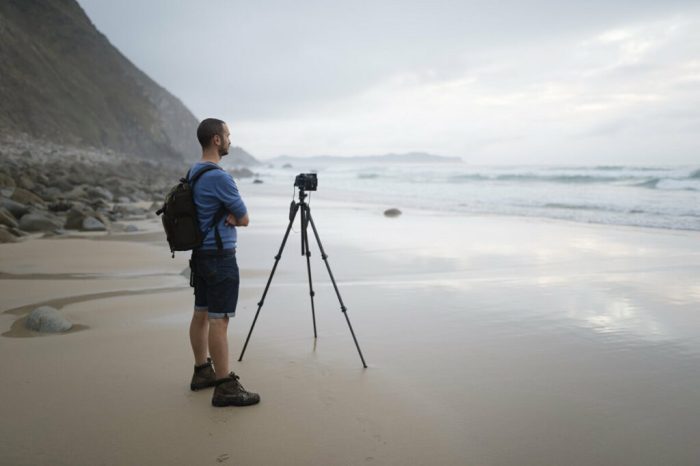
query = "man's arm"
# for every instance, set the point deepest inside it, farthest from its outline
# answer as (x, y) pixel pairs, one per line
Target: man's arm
(238, 222)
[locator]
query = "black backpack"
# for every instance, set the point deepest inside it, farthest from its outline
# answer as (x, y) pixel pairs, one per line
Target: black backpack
(180, 215)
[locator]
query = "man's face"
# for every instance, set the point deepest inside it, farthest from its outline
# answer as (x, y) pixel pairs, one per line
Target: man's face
(224, 141)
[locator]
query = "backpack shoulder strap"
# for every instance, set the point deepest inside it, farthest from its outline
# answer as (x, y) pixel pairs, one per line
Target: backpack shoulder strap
(193, 180)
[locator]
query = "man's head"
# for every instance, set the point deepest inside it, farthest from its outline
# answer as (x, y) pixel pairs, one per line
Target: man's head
(213, 133)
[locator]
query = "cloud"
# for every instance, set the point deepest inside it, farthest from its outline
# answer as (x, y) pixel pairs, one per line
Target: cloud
(541, 81)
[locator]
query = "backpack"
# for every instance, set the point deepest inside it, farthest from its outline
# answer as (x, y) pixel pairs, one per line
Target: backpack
(180, 215)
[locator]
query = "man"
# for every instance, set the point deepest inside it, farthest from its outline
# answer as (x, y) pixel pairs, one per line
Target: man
(220, 210)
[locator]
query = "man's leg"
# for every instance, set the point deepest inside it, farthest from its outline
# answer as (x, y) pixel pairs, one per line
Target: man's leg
(199, 336)
(218, 346)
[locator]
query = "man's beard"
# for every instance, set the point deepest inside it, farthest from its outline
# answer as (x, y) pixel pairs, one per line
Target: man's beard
(223, 151)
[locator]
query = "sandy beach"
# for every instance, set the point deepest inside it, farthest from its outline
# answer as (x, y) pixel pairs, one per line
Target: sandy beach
(490, 340)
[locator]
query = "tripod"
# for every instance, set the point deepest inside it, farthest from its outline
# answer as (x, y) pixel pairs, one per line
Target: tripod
(294, 208)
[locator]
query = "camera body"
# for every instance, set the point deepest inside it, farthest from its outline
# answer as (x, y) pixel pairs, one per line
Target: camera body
(306, 181)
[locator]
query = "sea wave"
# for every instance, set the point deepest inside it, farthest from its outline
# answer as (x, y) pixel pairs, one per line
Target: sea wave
(528, 177)
(652, 178)
(561, 205)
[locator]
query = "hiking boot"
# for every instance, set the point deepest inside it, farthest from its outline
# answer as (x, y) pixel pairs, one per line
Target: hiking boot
(230, 392)
(203, 376)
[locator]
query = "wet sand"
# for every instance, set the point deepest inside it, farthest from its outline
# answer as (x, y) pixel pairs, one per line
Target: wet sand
(489, 340)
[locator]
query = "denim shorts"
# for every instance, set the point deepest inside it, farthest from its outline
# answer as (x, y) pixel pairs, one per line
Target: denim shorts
(216, 280)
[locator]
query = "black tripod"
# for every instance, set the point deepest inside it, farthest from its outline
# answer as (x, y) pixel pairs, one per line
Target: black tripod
(305, 220)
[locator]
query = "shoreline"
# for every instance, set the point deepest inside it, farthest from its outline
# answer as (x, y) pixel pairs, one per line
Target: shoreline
(567, 343)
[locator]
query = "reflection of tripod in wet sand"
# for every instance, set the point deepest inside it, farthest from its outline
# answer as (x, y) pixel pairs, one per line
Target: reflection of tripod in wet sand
(305, 220)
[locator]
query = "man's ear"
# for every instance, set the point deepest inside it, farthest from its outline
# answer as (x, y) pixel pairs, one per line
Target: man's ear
(216, 140)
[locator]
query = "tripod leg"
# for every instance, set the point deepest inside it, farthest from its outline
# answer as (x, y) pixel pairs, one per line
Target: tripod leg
(292, 216)
(305, 251)
(340, 300)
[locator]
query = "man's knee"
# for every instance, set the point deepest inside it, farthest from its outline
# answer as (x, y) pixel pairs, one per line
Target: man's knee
(219, 324)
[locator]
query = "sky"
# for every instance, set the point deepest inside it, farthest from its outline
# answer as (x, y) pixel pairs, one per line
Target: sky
(494, 82)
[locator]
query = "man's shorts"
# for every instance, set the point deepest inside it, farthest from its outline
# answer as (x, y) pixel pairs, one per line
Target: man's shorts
(216, 280)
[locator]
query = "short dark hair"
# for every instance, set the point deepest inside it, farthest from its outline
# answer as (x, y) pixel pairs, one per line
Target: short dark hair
(209, 128)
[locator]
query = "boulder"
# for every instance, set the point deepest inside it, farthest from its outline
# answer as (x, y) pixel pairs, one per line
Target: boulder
(26, 182)
(392, 212)
(62, 184)
(16, 208)
(6, 235)
(241, 173)
(47, 319)
(38, 222)
(98, 192)
(128, 210)
(24, 196)
(257, 181)
(51, 194)
(60, 206)
(92, 224)
(131, 228)
(76, 215)
(77, 193)
(7, 219)
(103, 217)
(6, 181)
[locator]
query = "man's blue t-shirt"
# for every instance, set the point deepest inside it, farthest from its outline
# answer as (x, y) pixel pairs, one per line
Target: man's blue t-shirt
(212, 191)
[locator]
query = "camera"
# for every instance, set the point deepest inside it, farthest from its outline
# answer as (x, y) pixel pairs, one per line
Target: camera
(306, 181)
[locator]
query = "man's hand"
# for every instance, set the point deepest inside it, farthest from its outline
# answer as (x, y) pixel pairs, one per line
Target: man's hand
(232, 221)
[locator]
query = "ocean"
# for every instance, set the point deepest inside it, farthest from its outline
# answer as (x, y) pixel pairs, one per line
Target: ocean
(645, 196)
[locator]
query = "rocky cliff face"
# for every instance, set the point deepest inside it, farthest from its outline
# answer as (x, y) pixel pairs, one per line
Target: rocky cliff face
(62, 81)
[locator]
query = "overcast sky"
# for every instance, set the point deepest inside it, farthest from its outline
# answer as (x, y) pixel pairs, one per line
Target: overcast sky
(507, 82)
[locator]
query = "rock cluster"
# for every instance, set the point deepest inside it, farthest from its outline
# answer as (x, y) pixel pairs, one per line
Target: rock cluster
(51, 192)
(49, 188)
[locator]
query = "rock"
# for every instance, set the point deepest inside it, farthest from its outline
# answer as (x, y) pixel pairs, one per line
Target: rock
(6, 181)
(47, 319)
(102, 217)
(51, 194)
(16, 208)
(7, 219)
(27, 183)
(6, 235)
(392, 212)
(287, 165)
(97, 192)
(257, 181)
(58, 232)
(123, 200)
(99, 204)
(62, 184)
(92, 224)
(241, 173)
(131, 228)
(24, 196)
(60, 206)
(76, 215)
(38, 222)
(128, 210)
(77, 193)
(17, 232)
